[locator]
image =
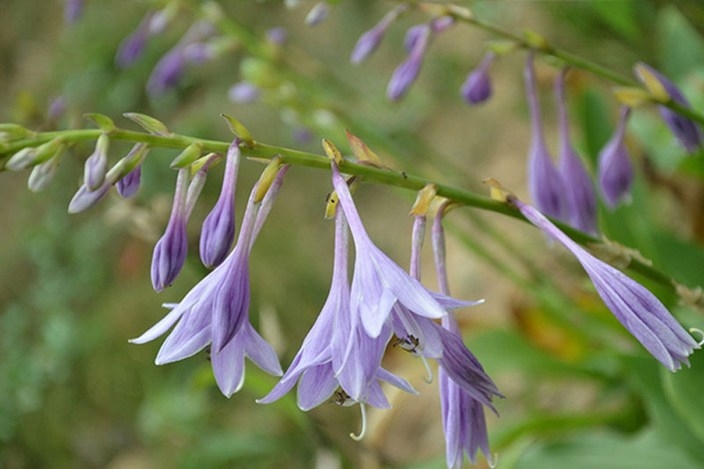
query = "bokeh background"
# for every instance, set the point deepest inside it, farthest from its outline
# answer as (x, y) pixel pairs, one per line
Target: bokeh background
(74, 289)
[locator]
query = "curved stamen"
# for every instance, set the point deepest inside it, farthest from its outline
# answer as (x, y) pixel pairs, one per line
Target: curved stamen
(694, 330)
(363, 431)
(428, 378)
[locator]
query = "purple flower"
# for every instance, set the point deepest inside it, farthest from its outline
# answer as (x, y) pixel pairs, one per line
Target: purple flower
(370, 40)
(215, 311)
(580, 199)
(129, 185)
(218, 229)
(442, 23)
(477, 87)
(379, 283)
(170, 251)
(132, 46)
(243, 92)
(615, 168)
(636, 308)
(407, 72)
(277, 35)
(317, 14)
(544, 181)
(96, 166)
(322, 367)
(684, 129)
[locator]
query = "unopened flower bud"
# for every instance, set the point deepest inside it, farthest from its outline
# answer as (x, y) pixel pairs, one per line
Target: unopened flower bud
(43, 173)
(615, 168)
(97, 164)
(243, 92)
(407, 72)
(370, 40)
(477, 87)
(129, 185)
(277, 35)
(317, 14)
(218, 231)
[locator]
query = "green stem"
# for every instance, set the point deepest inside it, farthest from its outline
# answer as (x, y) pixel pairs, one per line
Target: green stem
(384, 176)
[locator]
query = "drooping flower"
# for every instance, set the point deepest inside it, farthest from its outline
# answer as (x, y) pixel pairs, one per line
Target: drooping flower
(171, 249)
(463, 416)
(218, 229)
(635, 307)
(685, 130)
(477, 87)
(580, 199)
(320, 367)
(370, 40)
(615, 168)
(216, 310)
(407, 72)
(544, 181)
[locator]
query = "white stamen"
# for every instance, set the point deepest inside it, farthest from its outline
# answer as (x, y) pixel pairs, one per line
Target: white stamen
(493, 461)
(428, 378)
(694, 330)
(363, 431)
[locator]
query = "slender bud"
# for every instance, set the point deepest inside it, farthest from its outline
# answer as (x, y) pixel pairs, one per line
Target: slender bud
(407, 72)
(97, 164)
(370, 40)
(43, 173)
(218, 231)
(132, 46)
(615, 169)
(129, 185)
(170, 251)
(544, 181)
(477, 87)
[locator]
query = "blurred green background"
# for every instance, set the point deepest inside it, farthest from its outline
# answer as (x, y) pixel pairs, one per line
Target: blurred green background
(74, 289)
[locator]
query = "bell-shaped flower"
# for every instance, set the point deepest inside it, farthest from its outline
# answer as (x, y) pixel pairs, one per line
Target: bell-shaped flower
(218, 229)
(544, 181)
(407, 72)
(615, 168)
(378, 282)
(635, 307)
(463, 417)
(477, 87)
(216, 310)
(321, 367)
(685, 130)
(171, 249)
(580, 199)
(370, 40)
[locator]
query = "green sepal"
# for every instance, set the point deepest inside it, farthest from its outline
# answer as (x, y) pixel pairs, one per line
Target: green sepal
(238, 129)
(188, 156)
(150, 124)
(103, 122)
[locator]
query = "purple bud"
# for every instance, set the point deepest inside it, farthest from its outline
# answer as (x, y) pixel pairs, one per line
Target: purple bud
(83, 199)
(57, 108)
(198, 52)
(544, 181)
(477, 87)
(243, 92)
(73, 10)
(413, 35)
(166, 73)
(407, 72)
(302, 135)
(170, 251)
(132, 46)
(442, 23)
(370, 40)
(96, 165)
(218, 231)
(129, 185)
(615, 169)
(277, 35)
(685, 130)
(580, 199)
(317, 14)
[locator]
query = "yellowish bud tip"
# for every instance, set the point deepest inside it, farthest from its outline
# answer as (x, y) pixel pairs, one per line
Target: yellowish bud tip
(632, 96)
(535, 40)
(652, 84)
(331, 151)
(497, 191)
(267, 178)
(237, 128)
(363, 153)
(423, 200)
(205, 160)
(332, 201)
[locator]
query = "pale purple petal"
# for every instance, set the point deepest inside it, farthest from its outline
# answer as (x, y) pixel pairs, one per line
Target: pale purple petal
(615, 168)
(317, 385)
(228, 367)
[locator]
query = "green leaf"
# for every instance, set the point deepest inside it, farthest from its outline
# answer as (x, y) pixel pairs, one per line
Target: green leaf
(680, 47)
(684, 391)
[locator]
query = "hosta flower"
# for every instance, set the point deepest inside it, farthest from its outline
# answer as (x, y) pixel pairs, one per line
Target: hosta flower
(407, 72)
(96, 166)
(370, 40)
(580, 199)
(615, 168)
(322, 368)
(477, 87)
(171, 249)
(685, 130)
(216, 310)
(129, 185)
(544, 181)
(218, 229)
(636, 308)
(379, 283)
